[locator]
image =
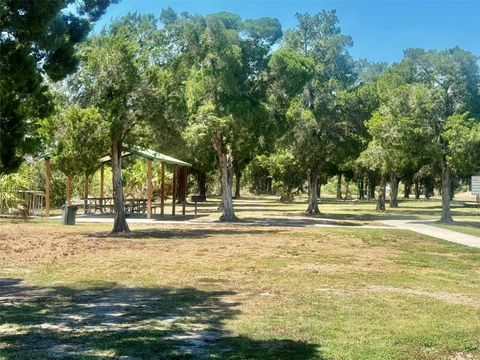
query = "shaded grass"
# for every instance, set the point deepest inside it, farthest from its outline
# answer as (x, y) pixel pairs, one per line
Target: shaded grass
(111, 321)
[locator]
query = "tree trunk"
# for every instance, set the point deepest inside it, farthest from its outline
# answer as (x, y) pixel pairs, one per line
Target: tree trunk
(221, 192)
(120, 223)
(225, 162)
(339, 186)
(429, 187)
(69, 187)
(371, 189)
(238, 176)
(381, 194)
(446, 184)
(453, 186)
(361, 189)
(178, 187)
(417, 189)
(312, 192)
(85, 194)
(202, 184)
(367, 188)
(407, 189)
(426, 188)
(180, 193)
(394, 191)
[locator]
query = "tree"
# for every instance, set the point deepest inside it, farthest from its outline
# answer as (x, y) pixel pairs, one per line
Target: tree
(258, 175)
(117, 76)
(462, 132)
(37, 42)
(422, 100)
(453, 79)
(317, 126)
(397, 127)
(223, 92)
(287, 174)
(78, 137)
(354, 107)
(245, 147)
(287, 73)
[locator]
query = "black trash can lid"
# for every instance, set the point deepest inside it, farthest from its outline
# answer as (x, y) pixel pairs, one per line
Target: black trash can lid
(71, 207)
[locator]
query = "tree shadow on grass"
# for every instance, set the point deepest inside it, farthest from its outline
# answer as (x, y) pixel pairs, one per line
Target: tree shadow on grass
(182, 233)
(113, 322)
(293, 220)
(361, 216)
(474, 224)
(398, 214)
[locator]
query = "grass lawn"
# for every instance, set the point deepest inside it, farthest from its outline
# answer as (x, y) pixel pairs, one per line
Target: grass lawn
(360, 212)
(235, 292)
(470, 228)
(254, 208)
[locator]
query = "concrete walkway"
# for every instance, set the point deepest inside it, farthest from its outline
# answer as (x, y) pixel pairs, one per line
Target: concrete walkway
(423, 227)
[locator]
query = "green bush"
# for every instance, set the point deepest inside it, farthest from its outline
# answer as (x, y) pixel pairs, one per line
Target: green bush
(12, 184)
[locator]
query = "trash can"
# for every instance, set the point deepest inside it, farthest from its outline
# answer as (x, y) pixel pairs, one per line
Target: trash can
(69, 213)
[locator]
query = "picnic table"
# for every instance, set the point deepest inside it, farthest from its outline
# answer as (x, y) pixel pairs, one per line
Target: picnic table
(105, 205)
(98, 204)
(136, 206)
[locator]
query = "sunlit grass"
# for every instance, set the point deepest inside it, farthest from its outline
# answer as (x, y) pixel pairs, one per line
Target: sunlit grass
(469, 228)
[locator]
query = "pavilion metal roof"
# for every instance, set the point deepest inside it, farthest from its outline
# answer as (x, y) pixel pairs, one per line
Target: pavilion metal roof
(150, 155)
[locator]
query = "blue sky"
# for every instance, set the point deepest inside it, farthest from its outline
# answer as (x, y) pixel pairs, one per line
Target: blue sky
(381, 30)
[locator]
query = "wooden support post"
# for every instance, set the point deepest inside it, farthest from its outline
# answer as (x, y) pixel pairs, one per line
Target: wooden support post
(85, 194)
(174, 189)
(102, 174)
(162, 192)
(184, 188)
(48, 177)
(149, 189)
(102, 179)
(69, 183)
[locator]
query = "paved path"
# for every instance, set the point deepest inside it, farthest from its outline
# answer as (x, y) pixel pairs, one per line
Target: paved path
(423, 227)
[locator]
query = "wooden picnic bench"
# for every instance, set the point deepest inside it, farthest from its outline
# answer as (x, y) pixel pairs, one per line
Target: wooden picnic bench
(105, 205)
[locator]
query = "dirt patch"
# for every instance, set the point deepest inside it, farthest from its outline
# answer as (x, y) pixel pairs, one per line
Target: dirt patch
(336, 292)
(463, 356)
(352, 257)
(324, 267)
(451, 298)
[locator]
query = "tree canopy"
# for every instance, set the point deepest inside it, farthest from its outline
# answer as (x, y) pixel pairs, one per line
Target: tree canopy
(291, 109)
(37, 42)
